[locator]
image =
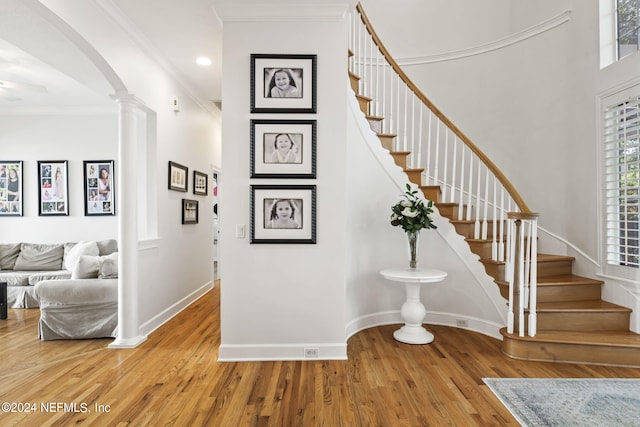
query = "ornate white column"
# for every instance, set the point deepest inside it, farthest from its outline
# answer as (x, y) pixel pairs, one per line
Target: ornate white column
(127, 206)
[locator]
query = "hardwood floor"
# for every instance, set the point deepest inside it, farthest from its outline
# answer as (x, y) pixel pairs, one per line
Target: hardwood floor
(174, 379)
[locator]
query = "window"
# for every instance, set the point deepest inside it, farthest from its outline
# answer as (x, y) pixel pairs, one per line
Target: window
(621, 128)
(627, 24)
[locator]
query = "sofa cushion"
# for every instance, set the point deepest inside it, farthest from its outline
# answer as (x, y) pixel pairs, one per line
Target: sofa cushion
(35, 257)
(39, 276)
(109, 267)
(106, 247)
(8, 255)
(15, 278)
(87, 267)
(80, 248)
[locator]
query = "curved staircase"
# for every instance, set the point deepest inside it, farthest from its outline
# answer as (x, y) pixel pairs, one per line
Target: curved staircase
(573, 323)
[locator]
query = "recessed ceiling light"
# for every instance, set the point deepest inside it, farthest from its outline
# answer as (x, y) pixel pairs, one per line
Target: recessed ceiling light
(204, 61)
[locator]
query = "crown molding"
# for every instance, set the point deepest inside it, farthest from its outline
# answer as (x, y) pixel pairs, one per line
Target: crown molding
(134, 33)
(238, 11)
(515, 38)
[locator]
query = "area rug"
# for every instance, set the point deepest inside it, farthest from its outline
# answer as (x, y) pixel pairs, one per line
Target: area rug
(570, 402)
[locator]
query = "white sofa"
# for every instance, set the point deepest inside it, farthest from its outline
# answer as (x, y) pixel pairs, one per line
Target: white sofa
(23, 265)
(75, 285)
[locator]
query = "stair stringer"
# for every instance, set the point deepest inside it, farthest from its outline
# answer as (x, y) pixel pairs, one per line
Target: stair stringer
(454, 241)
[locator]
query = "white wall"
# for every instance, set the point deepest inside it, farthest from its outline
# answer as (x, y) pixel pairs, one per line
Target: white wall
(278, 299)
(74, 138)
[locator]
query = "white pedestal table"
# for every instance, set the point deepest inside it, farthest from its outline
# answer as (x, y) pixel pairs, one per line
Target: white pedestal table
(413, 311)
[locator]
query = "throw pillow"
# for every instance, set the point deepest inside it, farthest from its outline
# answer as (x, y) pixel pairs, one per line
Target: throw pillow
(109, 267)
(35, 257)
(87, 267)
(8, 255)
(81, 248)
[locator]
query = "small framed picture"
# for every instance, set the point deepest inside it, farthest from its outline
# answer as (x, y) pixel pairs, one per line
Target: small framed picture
(283, 83)
(11, 188)
(189, 211)
(283, 148)
(283, 214)
(99, 188)
(200, 183)
(53, 187)
(178, 177)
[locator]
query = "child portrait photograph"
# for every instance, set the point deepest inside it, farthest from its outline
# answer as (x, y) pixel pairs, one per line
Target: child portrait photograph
(99, 187)
(11, 188)
(53, 186)
(283, 149)
(283, 214)
(283, 83)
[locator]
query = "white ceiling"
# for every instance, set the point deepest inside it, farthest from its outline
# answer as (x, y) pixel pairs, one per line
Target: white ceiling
(40, 69)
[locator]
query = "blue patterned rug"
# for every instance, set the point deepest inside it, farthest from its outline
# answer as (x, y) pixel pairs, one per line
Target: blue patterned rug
(570, 402)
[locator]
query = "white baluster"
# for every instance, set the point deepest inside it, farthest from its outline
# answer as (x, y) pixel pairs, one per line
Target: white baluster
(485, 223)
(454, 163)
(420, 144)
(405, 114)
(377, 110)
(470, 190)
(445, 163)
(429, 166)
(476, 228)
(413, 131)
(501, 249)
(436, 160)
(385, 123)
(461, 201)
(494, 242)
(533, 316)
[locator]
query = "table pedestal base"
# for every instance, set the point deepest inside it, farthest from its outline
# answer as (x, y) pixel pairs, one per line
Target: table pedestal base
(413, 313)
(412, 334)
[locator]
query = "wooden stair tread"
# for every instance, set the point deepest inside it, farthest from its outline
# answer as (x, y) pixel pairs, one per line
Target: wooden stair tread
(414, 170)
(601, 338)
(562, 280)
(581, 306)
(377, 118)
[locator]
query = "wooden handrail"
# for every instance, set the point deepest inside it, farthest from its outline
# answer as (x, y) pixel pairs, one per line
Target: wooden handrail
(519, 201)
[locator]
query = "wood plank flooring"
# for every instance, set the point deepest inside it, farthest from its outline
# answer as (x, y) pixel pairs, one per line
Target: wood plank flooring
(174, 379)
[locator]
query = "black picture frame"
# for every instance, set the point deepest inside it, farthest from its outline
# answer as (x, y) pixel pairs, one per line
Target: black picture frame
(53, 188)
(298, 228)
(200, 183)
(11, 185)
(99, 188)
(189, 211)
(178, 176)
(300, 73)
(268, 162)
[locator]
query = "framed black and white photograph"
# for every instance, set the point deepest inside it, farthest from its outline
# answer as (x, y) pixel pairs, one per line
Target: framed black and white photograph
(99, 188)
(283, 83)
(189, 211)
(283, 214)
(53, 187)
(200, 183)
(178, 177)
(11, 201)
(283, 149)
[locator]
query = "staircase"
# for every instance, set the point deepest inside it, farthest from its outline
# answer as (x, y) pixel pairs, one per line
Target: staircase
(573, 323)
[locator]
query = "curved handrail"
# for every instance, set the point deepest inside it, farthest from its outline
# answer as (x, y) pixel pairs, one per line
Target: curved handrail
(517, 198)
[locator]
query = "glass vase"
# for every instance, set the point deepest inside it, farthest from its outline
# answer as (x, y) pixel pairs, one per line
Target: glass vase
(413, 248)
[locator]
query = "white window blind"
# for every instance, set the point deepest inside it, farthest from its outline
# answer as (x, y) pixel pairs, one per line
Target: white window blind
(622, 182)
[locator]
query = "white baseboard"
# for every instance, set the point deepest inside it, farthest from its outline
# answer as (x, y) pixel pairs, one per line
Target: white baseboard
(163, 317)
(261, 352)
(432, 318)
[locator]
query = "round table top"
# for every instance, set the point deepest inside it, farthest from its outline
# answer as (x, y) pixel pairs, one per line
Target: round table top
(414, 275)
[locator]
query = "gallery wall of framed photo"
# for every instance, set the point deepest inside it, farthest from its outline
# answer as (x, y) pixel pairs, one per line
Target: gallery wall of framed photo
(178, 180)
(51, 187)
(283, 148)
